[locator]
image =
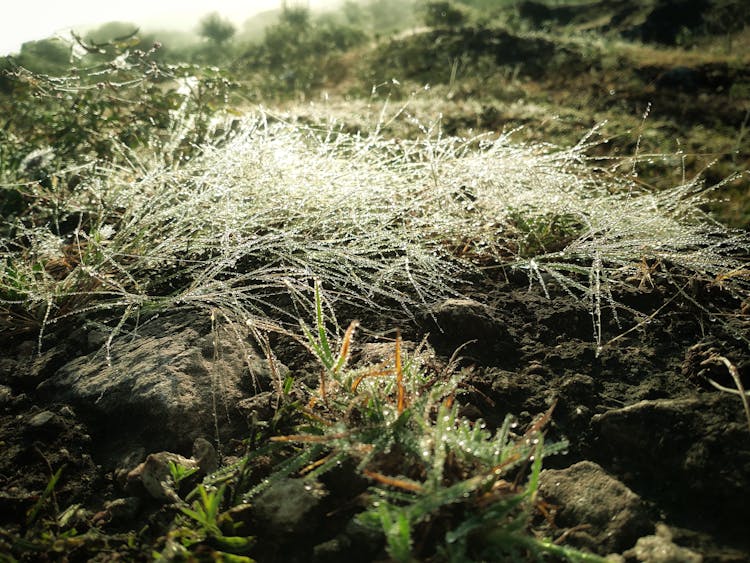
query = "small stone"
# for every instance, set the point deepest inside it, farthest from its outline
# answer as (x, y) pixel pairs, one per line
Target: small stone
(660, 548)
(205, 456)
(42, 419)
(44, 422)
(5, 395)
(156, 477)
(588, 496)
(288, 506)
(73, 516)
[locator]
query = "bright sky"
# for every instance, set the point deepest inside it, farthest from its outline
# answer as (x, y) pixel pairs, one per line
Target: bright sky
(27, 20)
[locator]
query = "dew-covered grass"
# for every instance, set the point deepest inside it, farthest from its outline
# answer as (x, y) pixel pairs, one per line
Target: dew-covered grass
(388, 224)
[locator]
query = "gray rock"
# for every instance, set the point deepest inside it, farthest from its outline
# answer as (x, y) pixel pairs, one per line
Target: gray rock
(172, 381)
(698, 441)
(612, 516)
(631, 428)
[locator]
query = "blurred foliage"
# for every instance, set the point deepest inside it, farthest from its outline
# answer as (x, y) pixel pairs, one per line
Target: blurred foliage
(95, 111)
(298, 54)
(117, 84)
(436, 56)
(727, 17)
(216, 29)
(443, 14)
(112, 33)
(45, 56)
(391, 15)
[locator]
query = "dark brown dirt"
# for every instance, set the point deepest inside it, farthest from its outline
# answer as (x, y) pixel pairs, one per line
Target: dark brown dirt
(639, 412)
(641, 408)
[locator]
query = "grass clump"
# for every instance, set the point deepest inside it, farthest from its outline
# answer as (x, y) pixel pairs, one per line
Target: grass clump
(432, 470)
(205, 530)
(248, 222)
(436, 484)
(252, 218)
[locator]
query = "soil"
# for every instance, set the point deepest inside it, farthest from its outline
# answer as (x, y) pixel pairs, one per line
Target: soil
(658, 459)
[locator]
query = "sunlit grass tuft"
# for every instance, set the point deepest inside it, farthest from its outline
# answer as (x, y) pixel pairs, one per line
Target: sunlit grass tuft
(387, 224)
(432, 473)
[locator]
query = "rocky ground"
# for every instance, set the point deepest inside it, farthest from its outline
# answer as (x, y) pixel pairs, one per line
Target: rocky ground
(658, 462)
(656, 470)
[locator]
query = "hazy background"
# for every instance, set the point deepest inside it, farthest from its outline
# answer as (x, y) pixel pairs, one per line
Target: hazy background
(36, 19)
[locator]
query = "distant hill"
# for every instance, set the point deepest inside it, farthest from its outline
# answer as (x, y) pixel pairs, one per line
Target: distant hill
(254, 28)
